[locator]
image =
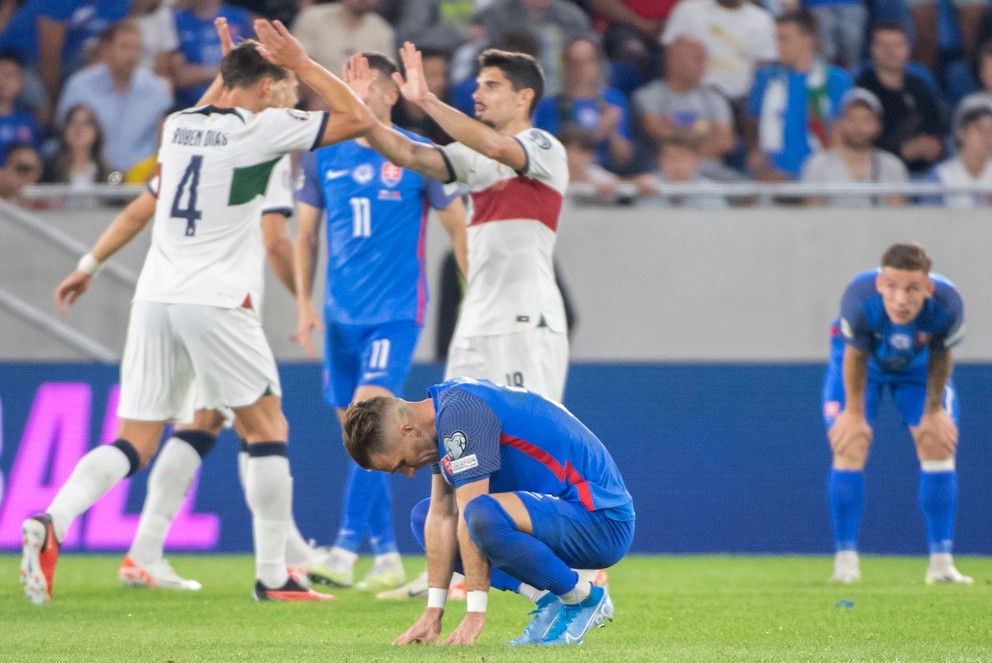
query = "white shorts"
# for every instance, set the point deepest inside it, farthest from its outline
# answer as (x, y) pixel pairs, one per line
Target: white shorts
(184, 357)
(535, 359)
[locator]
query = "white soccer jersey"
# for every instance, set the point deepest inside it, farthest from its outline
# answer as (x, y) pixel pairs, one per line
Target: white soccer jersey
(214, 170)
(511, 280)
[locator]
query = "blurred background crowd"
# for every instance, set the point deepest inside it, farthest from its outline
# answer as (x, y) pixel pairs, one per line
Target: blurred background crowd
(643, 93)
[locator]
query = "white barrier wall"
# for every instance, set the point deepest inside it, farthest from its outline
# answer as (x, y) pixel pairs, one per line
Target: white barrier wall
(648, 284)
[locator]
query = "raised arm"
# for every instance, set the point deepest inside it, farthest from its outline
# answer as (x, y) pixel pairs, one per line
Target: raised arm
(466, 130)
(349, 117)
(212, 94)
(125, 226)
(440, 533)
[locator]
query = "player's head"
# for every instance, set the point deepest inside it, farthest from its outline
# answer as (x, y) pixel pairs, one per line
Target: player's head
(904, 281)
(379, 434)
(244, 67)
(382, 94)
(509, 87)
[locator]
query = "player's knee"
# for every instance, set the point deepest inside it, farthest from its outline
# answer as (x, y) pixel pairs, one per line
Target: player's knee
(487, 522)
(418, 520)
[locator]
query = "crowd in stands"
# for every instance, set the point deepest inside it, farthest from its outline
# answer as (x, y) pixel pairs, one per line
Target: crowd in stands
(641, 92)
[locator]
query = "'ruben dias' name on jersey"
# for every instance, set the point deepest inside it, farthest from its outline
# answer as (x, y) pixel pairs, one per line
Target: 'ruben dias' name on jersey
(864, 324)
(199, 138)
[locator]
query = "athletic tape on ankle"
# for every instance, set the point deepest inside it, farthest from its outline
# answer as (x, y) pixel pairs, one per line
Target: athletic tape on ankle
(476, 601)
(88, 264)
(437, 597)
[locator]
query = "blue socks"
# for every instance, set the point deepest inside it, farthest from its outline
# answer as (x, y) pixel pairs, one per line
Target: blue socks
(938, 499)
(846, 497)
(367, 508)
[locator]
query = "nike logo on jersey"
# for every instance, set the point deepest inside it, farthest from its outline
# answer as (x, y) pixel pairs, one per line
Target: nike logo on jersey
(335, 174)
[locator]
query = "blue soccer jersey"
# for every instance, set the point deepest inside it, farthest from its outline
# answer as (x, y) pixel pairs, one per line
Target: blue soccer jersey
(376, 220)
(523, 442)
(864, 325)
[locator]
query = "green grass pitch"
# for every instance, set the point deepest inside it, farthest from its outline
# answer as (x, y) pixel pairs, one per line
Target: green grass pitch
(688, 608)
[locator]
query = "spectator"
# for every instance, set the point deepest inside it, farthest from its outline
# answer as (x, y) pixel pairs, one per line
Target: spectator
(968, 14)
(128, 99)
(983, 72)
(587, 102)
(679, 103)
(913, 125)
(331, 32)
(588, 181)
(196, 63)
(413, 118)
(78, 159)
(16, 126)
(971, 166)
(678, 161)
(552, 22)
(792, 104)
(22, 168)
(631, 30)
(440, 25)
(738, 37)
(854, 158)
(158, 34)
(842, 29)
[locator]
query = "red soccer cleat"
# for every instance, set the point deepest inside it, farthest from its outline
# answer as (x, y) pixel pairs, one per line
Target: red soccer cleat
(292, 591)
(40, 554)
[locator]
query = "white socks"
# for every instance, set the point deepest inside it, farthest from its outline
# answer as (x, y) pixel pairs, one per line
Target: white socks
(95, 473)
(168, 483)
(297, 549)
(269, 492)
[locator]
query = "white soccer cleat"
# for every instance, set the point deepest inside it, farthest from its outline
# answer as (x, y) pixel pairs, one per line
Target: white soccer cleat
(847, 567)
(332, 569)
(417, 589)
(942, 571)
(386, 573)
(159, 575)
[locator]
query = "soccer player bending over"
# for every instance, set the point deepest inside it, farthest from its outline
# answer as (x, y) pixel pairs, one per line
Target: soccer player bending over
(522, 493)
(897, 326)
(194, 338)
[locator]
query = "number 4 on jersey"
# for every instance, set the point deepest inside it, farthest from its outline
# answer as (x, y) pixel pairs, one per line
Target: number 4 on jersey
(191, 179)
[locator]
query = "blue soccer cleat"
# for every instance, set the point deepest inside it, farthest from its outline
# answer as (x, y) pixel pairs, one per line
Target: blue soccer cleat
(547, 611)
(574, 621)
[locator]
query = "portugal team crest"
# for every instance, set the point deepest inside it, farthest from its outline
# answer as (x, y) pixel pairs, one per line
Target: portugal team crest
(455, 444)
(390, 174)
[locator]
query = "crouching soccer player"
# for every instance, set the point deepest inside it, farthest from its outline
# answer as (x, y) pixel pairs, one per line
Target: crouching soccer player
(897, 326)
(522, 493)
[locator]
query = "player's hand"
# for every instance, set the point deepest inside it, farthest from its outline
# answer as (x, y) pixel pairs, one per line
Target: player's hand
(850, 435)
(469, 630)
(426, 630)
(414, 87)
(280, 47)
(71, 288)
(357, 74)
(937, 433)
(307, 321)
(224, 32)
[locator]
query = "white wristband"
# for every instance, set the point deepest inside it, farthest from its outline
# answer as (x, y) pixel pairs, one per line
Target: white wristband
(476, 601)
(437, 597)
(89, 265)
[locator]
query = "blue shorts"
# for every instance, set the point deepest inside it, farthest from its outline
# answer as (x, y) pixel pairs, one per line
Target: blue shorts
(581, 538)
(908, 389)
(358, 355)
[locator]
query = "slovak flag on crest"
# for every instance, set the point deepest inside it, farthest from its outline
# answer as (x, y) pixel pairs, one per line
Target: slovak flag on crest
(391, 174)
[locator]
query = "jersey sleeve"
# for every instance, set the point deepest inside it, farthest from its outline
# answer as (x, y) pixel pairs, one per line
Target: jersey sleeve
(953, 332)
(288, 129)
(853, 325)
(279, 194)
(310, 191)
(437, 195)
(546, 160)
(459, 159)
(468, 434)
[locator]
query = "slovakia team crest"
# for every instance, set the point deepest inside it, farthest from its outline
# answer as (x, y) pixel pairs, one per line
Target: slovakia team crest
(390, 174)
